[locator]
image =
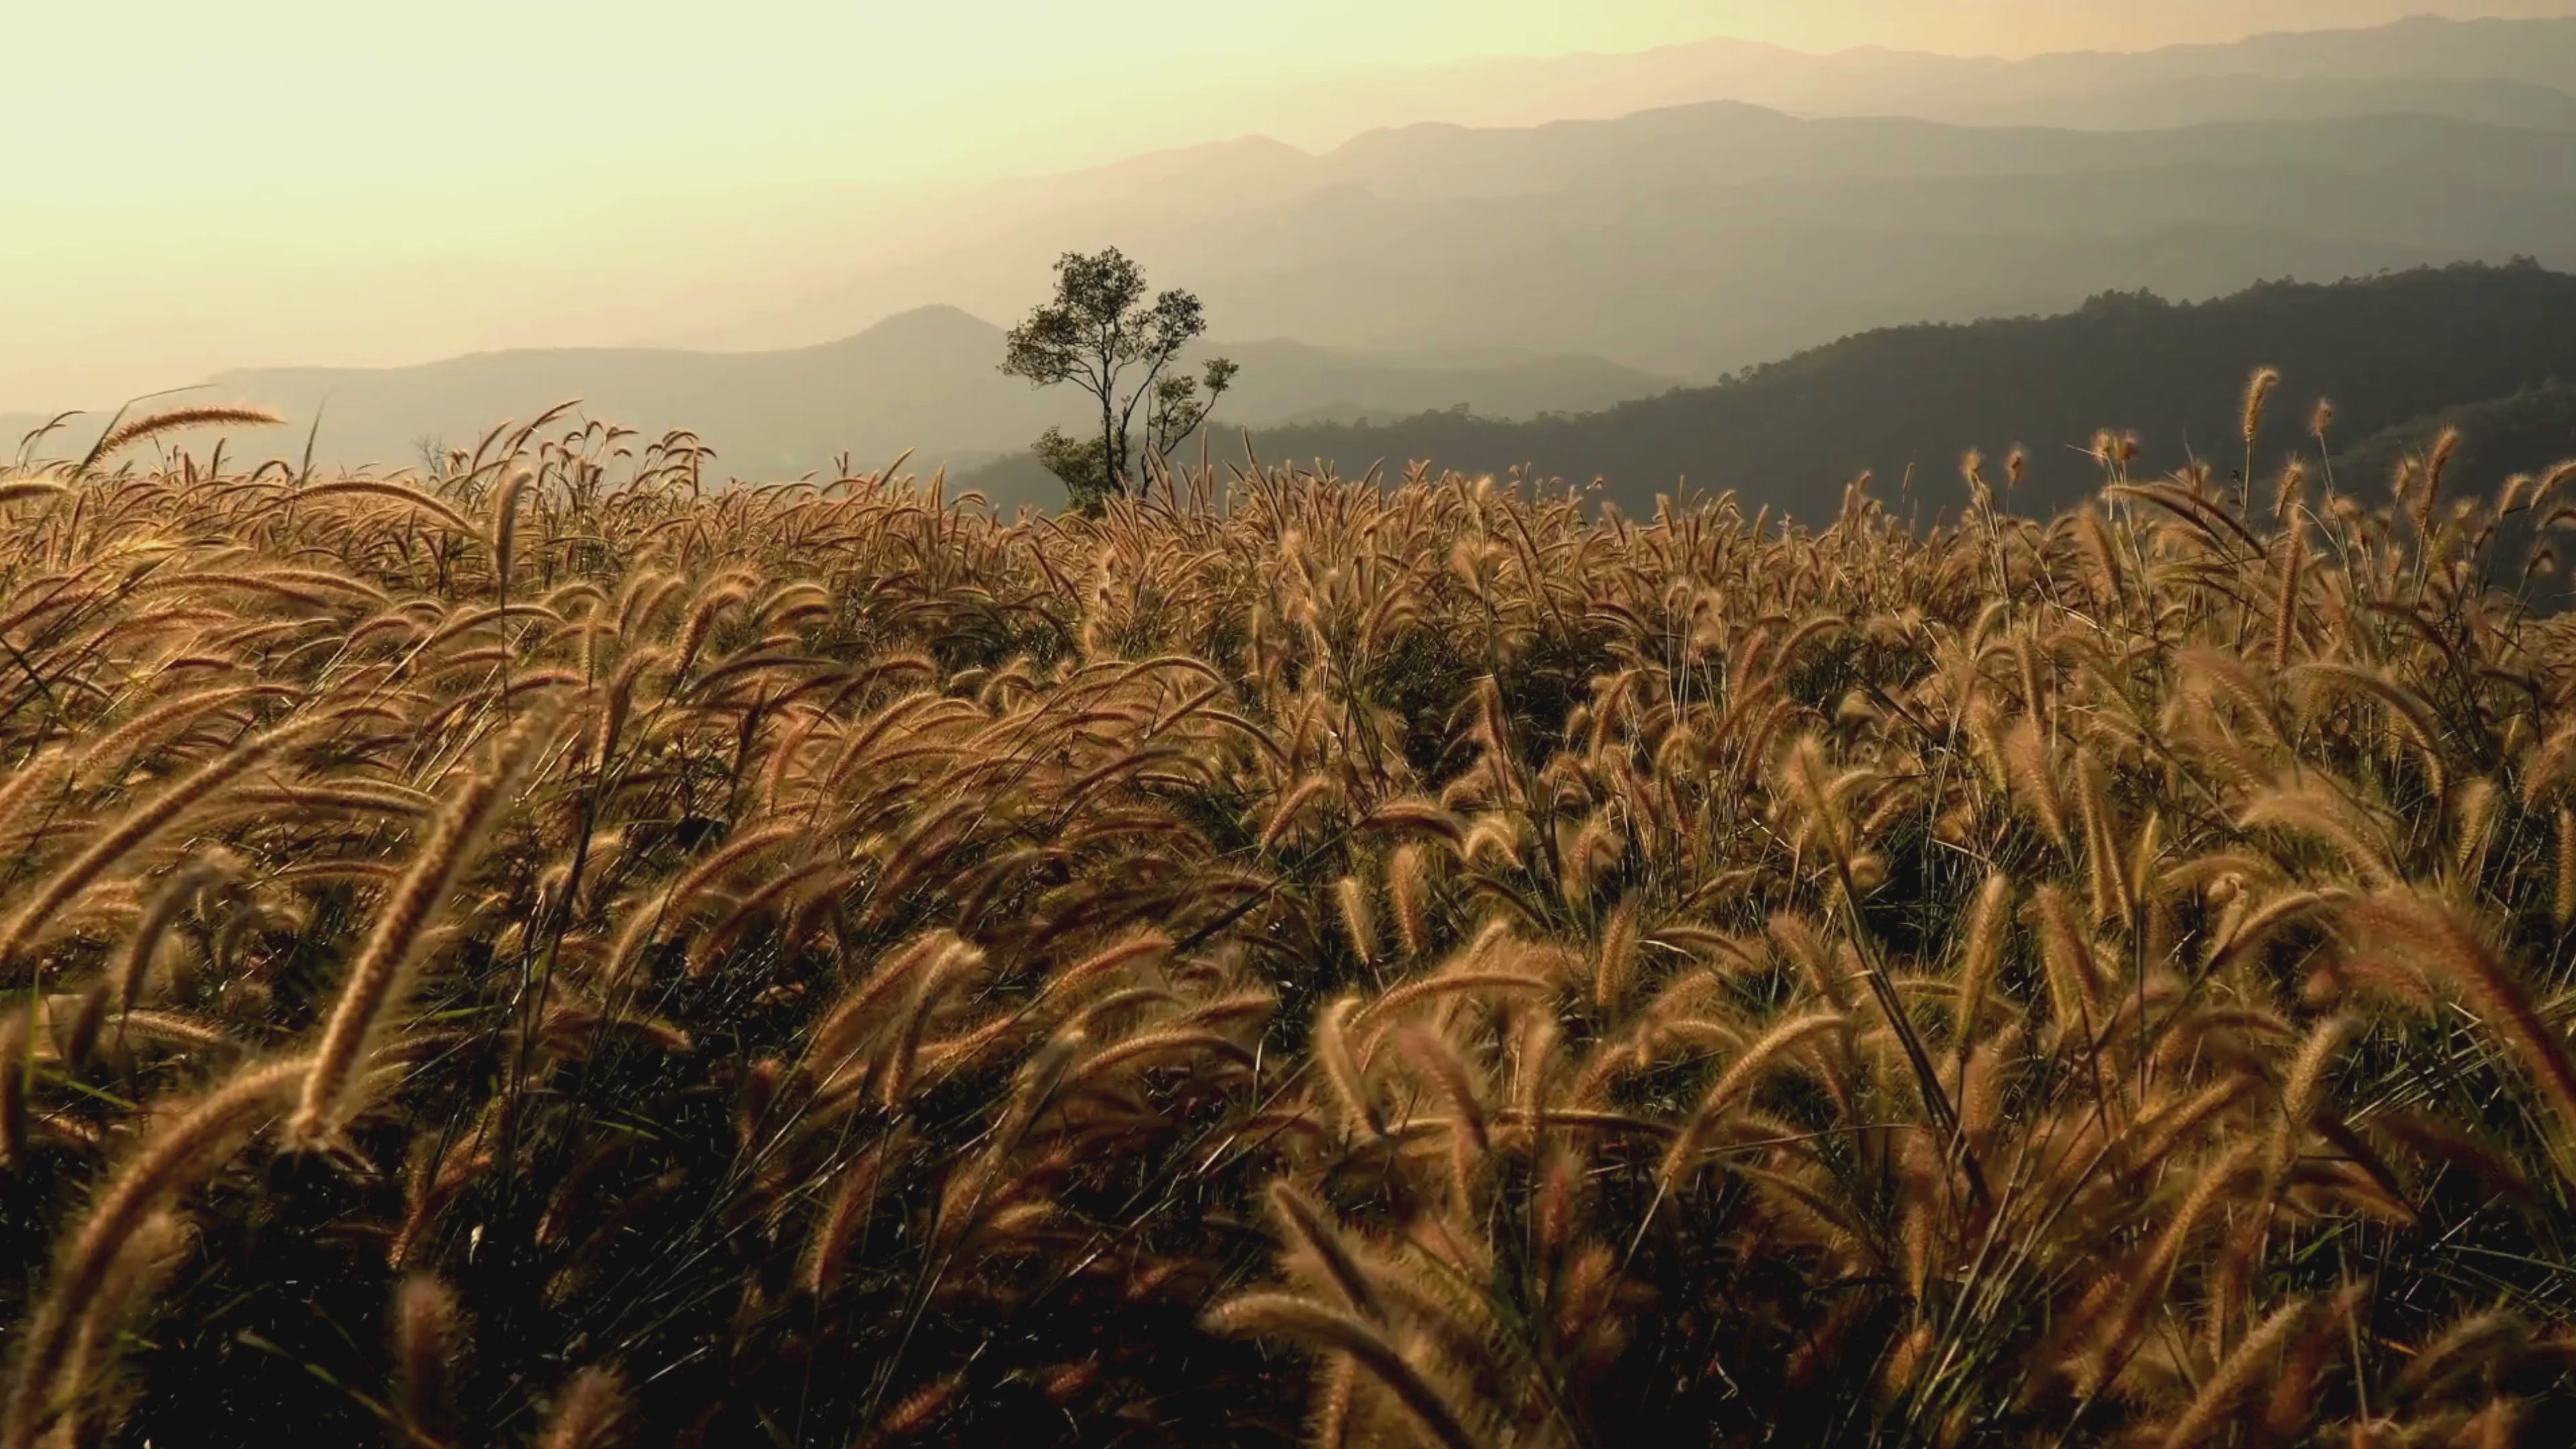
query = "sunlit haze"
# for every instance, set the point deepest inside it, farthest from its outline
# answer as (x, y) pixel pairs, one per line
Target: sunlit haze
(287, 181)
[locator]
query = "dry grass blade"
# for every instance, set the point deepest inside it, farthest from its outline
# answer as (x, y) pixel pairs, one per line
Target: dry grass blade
(152, 425)
(174, 1160)
(1494, 944)
(377, 977)
(593, 1412)
(140, 824)
(1291, 1317)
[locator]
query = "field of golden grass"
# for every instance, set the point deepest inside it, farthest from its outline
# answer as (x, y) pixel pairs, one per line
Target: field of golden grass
(550, 951)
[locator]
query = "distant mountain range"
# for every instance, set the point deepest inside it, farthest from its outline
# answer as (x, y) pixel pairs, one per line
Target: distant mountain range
(988, 252)
(1557, 268)
(1769, 202)
(1694, 240)
(928, 380)
(2491, 350)
(2515, 72)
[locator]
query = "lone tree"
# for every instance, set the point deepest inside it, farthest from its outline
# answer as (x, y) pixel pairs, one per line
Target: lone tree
(1102, 335)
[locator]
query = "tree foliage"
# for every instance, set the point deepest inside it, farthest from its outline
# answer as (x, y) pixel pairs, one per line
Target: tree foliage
(1102, 333)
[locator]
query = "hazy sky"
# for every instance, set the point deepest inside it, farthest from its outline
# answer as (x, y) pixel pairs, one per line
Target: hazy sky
(197, 185)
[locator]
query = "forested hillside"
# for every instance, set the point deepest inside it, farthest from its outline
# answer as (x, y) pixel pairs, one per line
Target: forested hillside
(2391, 352)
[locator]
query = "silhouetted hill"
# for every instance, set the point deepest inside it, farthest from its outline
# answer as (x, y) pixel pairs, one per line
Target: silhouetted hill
(2527, 432)
(1693, 240)
(926, 380)
(2492, 70)
(925, 376)
(2388, 350)
(2150, 104)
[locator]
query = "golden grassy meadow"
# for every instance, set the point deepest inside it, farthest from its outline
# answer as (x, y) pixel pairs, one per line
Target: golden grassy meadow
(551, 951)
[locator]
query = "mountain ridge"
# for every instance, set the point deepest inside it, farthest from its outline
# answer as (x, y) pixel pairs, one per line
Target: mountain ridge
(1689, 240)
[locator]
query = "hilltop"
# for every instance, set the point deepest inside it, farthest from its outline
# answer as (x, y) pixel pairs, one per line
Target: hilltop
(927, 380)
